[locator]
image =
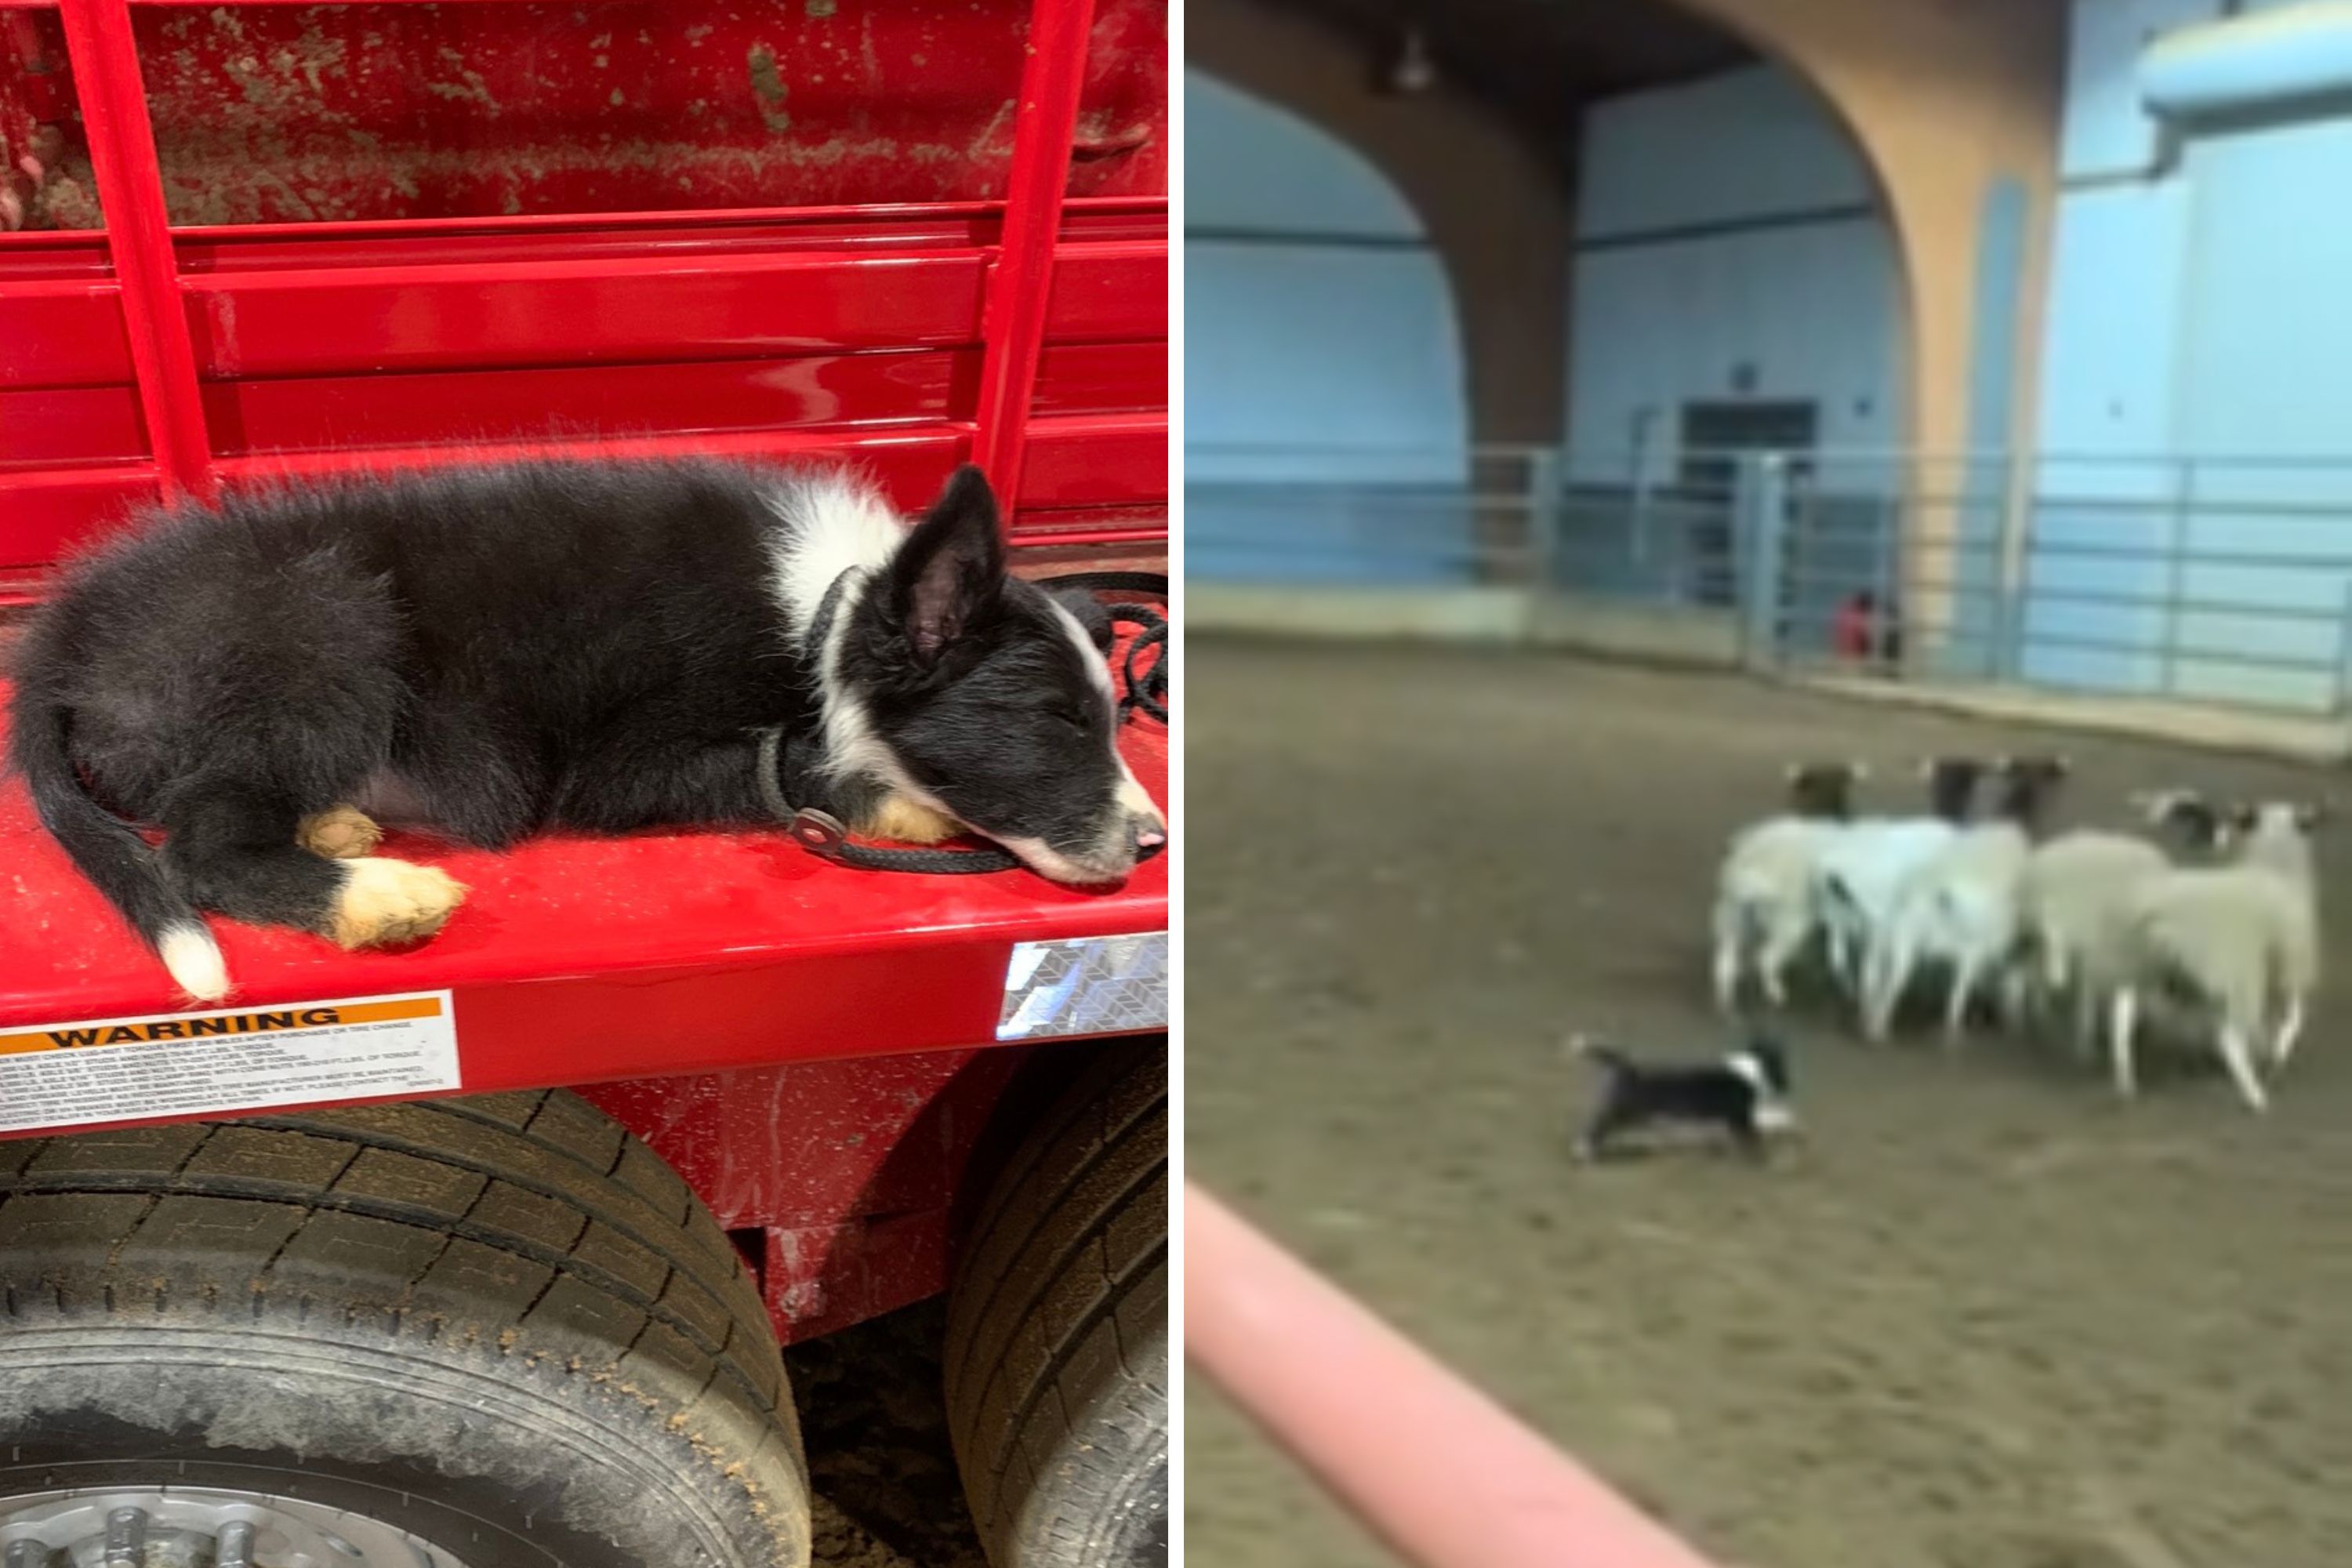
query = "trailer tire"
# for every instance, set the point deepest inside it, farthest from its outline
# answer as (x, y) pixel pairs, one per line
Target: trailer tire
(498, 1326)
(1057, 1329)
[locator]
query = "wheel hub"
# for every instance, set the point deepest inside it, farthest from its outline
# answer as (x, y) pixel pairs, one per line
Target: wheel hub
(199, 1527)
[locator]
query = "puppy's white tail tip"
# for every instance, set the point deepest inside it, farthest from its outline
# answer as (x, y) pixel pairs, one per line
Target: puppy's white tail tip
(194, 960)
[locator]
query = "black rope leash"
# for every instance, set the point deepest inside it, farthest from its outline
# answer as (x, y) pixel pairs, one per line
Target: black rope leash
(1143, 672)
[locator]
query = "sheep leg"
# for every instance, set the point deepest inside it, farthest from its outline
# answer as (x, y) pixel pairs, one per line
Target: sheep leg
(2053, 964)
(1956, 1006)
(1781, 946)
(2237, 1056)
(1727, 978)
(1889, 974)
(1833, 935)
(2123, 1017)
(1873, 974)
(2013, 983)
(1874, 981)
(2054, 984)
(2290, 1030)
(1728, 932)
(2086, 1021)
(1857, 961)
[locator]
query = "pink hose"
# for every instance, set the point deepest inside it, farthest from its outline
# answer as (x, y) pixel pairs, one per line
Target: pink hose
(1446, 1476)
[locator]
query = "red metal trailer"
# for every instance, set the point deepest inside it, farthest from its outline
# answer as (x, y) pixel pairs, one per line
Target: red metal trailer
(266, 1295)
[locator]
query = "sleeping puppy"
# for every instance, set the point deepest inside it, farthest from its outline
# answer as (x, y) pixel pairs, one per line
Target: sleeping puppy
(603, 647)
(1745, 1094)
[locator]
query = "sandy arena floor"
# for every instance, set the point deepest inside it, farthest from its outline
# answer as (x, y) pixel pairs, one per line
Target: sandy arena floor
(1989, 1319)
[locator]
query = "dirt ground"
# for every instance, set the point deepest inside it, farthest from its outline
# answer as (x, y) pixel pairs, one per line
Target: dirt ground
(874, 1422)
(1988, 1317)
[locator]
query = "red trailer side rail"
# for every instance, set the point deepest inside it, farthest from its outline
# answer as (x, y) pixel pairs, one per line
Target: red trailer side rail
(1028, 333)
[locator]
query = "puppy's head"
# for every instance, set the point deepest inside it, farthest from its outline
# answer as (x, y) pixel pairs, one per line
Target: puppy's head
(1764, 1064)
(989, 697)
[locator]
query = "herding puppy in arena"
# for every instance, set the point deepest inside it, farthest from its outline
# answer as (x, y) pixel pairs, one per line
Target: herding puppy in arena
(1745, 1094)
(601, 648)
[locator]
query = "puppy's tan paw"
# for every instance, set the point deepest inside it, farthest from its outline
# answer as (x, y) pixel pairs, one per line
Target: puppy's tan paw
(341, 834)
(385, 902)
(908, 822)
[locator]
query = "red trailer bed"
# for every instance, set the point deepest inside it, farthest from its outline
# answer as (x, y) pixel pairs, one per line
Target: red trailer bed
(581, 959)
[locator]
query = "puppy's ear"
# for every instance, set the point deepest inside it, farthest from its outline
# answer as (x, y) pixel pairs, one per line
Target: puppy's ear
(949, 576)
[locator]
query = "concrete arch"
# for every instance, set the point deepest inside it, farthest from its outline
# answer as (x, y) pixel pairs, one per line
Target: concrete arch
(1955, 107)
(1957, 110)
(1342, 336)
(1495, 212)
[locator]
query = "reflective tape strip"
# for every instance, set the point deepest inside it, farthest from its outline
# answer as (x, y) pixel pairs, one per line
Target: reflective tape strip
(1085, 985)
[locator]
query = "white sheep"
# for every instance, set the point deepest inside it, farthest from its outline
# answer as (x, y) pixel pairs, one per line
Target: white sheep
(2241, 940)
(1960, 908)
(1861, 874)
(2077, 888)
(1764, 901)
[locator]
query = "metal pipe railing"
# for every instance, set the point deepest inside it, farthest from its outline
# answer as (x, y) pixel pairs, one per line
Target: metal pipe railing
(106, 74)
(2198, 578)
(1020, 287)
(105, 60)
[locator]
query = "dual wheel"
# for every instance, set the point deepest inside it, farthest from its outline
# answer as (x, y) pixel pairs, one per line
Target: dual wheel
(500, 1333)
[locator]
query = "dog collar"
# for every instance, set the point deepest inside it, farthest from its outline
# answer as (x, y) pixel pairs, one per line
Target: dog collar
(821, 624)
(770, 763)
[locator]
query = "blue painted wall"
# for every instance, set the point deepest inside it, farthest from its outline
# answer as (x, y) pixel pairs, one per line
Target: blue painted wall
(1326, 425)
(2197, 388)
(1723, 227)
(1730, 247)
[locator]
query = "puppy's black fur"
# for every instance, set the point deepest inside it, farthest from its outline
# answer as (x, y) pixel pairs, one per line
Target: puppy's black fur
(1745, 1093)
(596, 647)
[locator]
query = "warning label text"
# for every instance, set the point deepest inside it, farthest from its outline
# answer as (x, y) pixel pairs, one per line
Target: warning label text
(119, 1069)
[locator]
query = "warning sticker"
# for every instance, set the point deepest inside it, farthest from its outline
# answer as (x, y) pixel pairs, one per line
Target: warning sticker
(117, 1069)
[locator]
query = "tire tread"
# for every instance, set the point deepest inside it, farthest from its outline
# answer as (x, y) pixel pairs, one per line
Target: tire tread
(1052, 1395)
(523, 1221)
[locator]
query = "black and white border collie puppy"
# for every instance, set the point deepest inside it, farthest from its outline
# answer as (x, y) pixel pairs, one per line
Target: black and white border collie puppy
(599, 646)
(1745, 1094)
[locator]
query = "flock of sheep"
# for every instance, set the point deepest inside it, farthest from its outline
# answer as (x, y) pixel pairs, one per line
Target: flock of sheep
(2208, 918)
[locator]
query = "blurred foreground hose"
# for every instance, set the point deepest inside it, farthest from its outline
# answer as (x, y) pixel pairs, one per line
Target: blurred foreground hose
(1441, 1472)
